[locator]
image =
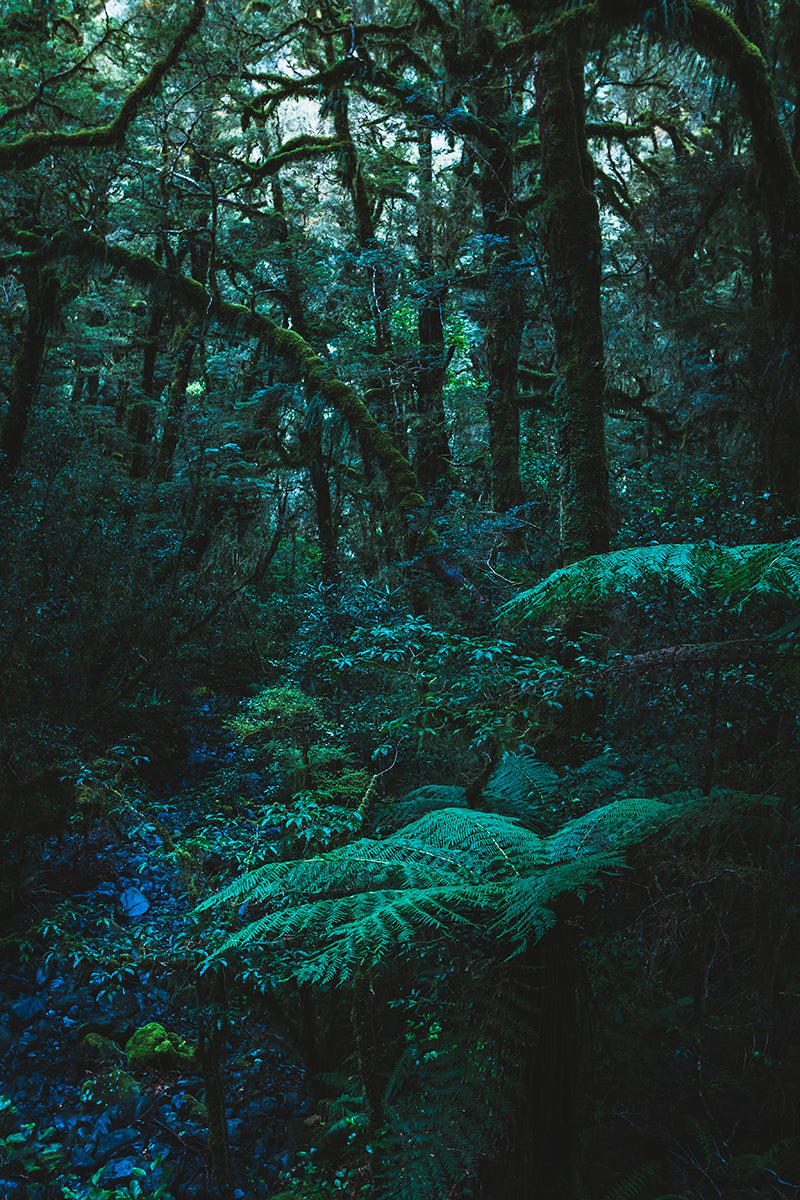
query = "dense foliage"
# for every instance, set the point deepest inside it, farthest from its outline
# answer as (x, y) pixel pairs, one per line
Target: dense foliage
(400, 521)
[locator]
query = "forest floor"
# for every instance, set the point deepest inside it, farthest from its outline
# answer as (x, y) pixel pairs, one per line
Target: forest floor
(99, 945)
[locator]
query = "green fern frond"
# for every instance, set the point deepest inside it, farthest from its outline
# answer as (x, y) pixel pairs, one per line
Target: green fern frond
(632, 1186)
(614, 825)
(704, 1141)
(737, 573)
(438, 1129)
(526, 910)
(521, 786)
(488, 841)
(333, 937)
(452, 870)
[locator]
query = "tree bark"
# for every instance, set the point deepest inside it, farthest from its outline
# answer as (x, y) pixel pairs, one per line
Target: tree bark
(312, 428)
(573, 248)
(717, 35)
(177, 398)
(431, 447)
(506, 287)
(42, 290)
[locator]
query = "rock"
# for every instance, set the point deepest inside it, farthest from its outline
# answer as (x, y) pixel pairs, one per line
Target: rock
(118, 1140)
(101, 1049)
(118, 1172)
(127, 1004)
(24, 1012)
(6, 1040)
(133, 903)
(152, 1046)
(82, 1160)
(76, 1003)
(106, 1026)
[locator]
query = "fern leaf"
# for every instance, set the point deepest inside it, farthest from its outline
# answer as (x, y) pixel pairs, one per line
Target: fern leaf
(632, 1186)
(615, 825)
(450, 871)
(737, 573)
(526, 910)
(521, 786)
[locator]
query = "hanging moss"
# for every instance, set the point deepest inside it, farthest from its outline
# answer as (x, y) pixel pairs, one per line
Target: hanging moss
(35, 146)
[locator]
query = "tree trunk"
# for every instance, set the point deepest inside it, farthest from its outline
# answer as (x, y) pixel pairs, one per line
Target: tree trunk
(432, 449)
(573, 248)
(715, 33)
(42, 292)
(542, 1157)
(177, 398)
(312, 428)
(505, 301)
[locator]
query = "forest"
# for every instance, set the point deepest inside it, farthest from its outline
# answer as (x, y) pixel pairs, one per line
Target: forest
(399, 664)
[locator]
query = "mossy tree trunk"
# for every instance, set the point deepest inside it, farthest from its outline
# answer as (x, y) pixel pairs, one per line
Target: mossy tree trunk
(312, 428)
(177, 398)
(432, 449)
(381, 390)
(735, 43)
(572, 252)
(42, 291)
(506, 286)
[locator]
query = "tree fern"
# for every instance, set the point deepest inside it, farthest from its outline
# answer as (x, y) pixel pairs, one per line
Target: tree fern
(520, 786)
(450, 870)
(738, 574)
(455, 885)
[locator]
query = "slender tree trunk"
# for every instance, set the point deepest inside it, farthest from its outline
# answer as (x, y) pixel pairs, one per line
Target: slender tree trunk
(381, 392)
(42, 293)
(312, 428)
(505, 305)
(543, 1157)
(157, 309)
(177, 398)
(432, 449)
(573, 247)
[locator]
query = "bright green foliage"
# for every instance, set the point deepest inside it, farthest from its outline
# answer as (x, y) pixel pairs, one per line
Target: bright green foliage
(736, 574)
(151, 1046)
(455, 881)
(104, 1091)
(279, 713)
(452, 870)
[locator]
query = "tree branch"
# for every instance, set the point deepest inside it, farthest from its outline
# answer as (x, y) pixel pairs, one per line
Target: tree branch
(35, 146)
(284, 343)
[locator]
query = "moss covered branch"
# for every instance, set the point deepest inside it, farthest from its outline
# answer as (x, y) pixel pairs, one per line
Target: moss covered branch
(299, 149)
(284, 343)
(35, 146)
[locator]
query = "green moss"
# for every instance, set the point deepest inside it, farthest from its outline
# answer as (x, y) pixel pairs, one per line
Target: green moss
(35, 146)
(101, 1048)
(152, 1046)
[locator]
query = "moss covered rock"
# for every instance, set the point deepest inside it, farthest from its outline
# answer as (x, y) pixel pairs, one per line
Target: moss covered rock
(101, 1048)
(152, 1046)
